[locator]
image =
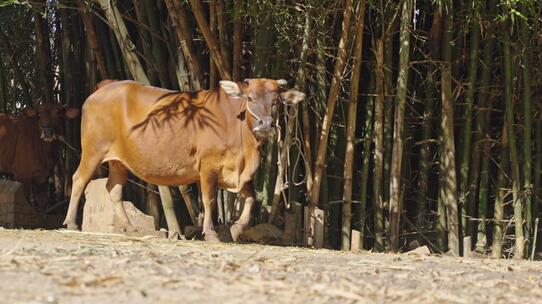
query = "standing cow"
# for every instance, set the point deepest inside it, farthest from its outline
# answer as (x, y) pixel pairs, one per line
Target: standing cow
(27, 147)
(176, 138)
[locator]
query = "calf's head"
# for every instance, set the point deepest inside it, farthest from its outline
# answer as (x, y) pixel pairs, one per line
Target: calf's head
(51, 118)
(261, 97)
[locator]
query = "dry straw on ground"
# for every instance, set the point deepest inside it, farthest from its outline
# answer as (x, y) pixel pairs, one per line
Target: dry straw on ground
(68, 267)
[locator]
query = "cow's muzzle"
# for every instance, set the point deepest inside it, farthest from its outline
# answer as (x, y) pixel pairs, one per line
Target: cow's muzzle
(264, 128)
(47, 134)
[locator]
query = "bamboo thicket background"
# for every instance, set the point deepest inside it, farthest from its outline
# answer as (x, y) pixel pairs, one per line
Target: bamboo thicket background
(422, 119)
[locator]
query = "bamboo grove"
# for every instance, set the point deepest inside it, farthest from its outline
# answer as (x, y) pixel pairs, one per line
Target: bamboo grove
(422, 120)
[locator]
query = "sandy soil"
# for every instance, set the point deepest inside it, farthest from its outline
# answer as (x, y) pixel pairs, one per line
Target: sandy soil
(72, 267)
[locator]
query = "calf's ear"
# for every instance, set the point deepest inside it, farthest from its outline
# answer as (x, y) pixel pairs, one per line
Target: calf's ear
(30, 112)
(231, 88)
(292, 96)
(72, 113)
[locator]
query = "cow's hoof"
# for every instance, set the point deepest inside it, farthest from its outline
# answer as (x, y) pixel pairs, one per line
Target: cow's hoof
(211, 237)
(236, 230)
(174, 236)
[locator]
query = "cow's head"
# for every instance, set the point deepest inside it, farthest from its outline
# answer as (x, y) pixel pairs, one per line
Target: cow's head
(50, 118)
(261, 97)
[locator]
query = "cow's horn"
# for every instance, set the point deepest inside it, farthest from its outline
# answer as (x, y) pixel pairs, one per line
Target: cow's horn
(247, 80)
(282, 82)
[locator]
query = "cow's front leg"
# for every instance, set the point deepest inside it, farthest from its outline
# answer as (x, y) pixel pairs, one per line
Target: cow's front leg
(244, 220)
(208, 193)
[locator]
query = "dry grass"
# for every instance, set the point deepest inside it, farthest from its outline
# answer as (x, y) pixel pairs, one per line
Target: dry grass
(68, 267)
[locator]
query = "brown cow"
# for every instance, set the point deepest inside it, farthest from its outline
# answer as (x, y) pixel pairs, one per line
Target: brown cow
(177, 138)
(27, 150)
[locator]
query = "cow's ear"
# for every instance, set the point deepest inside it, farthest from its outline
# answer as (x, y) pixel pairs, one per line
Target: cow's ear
(231, 88)
(72, 113)
(30, 112)
(292, 96)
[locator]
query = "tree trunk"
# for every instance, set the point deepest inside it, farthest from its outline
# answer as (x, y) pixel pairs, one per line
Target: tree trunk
(222, 30)
(389, 106)
(426, 153)
(237, 40)
(498, 213)
(378, 200)
(368, 128)
(537, 173)
(127, 47)
(351, 128)
(528, 124)
(184, 34)
(481, 238)
(158, 48)
(331, 100)
(153, 205)
(169, 211)
(145, 41)
(213, 70)
(467, 210)
(514, 163)
(44, 56)
(221, 63)
(448, 189)
(396, 205)
(479, 178)
(93, 39)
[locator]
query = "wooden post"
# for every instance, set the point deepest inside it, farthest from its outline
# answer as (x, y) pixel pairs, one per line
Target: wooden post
(356, 242)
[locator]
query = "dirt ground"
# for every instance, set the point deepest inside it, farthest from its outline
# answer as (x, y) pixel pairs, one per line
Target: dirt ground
(73, 267)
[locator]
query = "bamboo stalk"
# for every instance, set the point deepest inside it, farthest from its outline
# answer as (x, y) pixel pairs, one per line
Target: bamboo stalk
(351, 127)
(514, 162)
(93, 39)
(221, 63)
(184, 34)
(498, 212)
(448, 189)
(365, 165)
(428, 124)
(237, 40)
(527, 122)
(378, 200)
(330, 109)
(396, 203)
(464, 191)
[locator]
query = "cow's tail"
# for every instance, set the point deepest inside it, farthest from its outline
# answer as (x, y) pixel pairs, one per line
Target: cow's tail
(103, 83)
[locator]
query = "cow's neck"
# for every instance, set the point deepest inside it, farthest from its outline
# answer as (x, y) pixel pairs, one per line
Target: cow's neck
(245, 138)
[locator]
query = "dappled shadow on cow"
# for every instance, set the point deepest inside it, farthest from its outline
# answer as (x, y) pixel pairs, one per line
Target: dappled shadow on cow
(177, 138)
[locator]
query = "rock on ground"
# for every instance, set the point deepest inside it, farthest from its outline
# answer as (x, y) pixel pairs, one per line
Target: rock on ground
(74, 267)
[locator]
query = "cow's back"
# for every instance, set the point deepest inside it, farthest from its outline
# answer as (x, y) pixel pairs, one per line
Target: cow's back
(154, 132)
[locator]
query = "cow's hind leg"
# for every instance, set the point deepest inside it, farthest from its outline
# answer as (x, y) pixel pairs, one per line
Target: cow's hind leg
(208, 193)
(244, 220)
(118, 174)
(80, 180)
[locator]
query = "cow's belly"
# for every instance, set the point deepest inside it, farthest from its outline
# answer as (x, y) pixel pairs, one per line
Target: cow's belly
(160, 160)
